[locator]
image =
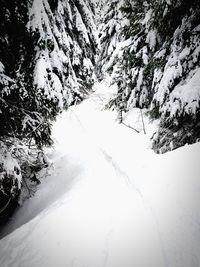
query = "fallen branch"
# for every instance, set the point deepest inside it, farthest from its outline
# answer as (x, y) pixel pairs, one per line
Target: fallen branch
(130, 127)
(143, 121)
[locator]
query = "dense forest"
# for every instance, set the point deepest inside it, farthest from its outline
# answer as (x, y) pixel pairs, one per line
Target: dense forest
(47, 59)
(53, 51)
(152, 49)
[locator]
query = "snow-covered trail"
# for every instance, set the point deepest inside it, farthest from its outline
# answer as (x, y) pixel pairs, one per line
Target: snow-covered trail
(113, 217)
(110, 201)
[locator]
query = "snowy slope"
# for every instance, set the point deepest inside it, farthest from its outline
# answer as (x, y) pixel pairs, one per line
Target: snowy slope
(117, 204)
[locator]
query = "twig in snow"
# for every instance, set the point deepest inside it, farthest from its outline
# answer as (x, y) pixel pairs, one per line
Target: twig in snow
(143, 121)
(130, 127)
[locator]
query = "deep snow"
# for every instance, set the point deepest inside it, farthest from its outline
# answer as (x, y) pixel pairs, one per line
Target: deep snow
(108, 200)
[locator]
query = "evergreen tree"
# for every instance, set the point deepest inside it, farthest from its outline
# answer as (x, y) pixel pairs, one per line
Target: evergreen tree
(176, 95)
(109, 34)
(157, 67)
(47, 57)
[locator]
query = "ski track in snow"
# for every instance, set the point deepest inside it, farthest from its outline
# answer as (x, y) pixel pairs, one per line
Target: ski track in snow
(146, 204)
(122, 174)
(108, 207)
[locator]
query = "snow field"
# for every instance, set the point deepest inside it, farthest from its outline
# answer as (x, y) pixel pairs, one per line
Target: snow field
(109, 200)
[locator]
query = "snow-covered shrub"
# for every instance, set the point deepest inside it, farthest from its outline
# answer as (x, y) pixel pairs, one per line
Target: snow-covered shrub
(10, 172)
(19, 168)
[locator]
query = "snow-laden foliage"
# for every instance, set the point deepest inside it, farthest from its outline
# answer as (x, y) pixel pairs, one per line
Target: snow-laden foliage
(64, 50)
(47, 62)
(156, 66)
(10, 174)
(20, 168)
(47, 57)
(110, 36)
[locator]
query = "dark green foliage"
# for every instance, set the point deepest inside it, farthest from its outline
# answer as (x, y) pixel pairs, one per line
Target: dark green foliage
(53, 4)
(17, 96)
(166, 18)
(173, 134)
(15, 39)
(153, 113)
